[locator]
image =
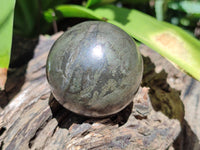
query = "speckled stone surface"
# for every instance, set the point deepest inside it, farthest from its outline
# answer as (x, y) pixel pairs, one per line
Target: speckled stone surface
(94, 69)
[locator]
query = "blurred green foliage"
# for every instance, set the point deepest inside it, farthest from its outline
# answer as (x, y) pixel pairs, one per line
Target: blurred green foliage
(184, 14)
(28, 16)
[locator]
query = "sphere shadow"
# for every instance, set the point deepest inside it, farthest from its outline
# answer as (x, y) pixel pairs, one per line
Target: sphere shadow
(66, 118)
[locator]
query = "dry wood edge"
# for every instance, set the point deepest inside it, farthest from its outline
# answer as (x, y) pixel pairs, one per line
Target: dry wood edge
(35, 120)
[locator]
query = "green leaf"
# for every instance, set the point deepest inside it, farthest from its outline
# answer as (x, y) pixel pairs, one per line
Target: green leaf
(170, 41)
(6, 24)
(70, 11)
(91, 3)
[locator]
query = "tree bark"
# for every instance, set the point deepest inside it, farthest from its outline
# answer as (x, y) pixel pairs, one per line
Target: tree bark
(35, 120)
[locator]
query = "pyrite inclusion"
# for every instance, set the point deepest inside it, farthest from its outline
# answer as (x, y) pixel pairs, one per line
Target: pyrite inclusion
(94, 69)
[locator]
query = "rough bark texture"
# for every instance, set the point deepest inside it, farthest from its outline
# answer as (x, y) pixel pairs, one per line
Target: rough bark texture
(35, 120)
(189, 138)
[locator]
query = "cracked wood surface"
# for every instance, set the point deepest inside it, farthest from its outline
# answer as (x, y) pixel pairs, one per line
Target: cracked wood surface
(35, 120)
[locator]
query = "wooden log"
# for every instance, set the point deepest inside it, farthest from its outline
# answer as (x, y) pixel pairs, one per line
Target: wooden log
(35, 120)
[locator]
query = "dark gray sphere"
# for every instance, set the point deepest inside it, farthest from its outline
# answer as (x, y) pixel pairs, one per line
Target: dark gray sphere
(94, 69)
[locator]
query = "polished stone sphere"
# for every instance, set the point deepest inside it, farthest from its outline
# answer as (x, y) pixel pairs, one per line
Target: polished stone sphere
(94, 69)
